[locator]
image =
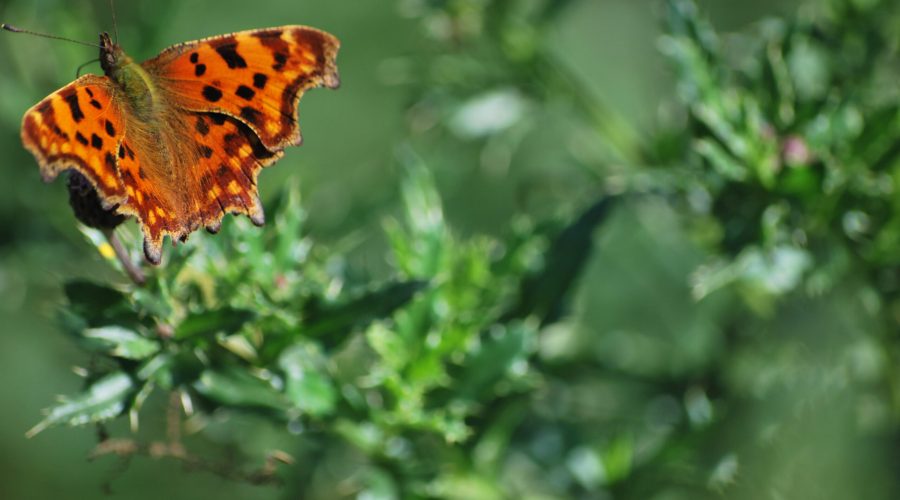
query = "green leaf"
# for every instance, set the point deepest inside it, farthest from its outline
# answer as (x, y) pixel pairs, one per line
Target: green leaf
(289, 218)
(105, 399)
(88, 296)
(339, 320)
(238, 388)
(306, 386)
(158, 370)
(543, 293)
(98, 305)
(227, 320)
(421, 245)
(390, 346)
(720, 159)
(492, 362)
(120, 342)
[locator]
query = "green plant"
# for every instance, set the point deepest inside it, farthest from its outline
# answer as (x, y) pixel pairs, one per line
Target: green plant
(270, 324)
(726, 333)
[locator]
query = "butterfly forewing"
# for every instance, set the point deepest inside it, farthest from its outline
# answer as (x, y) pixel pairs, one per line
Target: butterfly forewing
(256, 76)
(79, 127)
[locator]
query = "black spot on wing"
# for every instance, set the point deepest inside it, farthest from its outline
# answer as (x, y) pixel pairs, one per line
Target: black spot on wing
(199, 70)
(217, 118)
(81, 138)
(280, 60)
(71, 98)
(251, 115)
(96, 104)
(259, 80)
(202, 127)
(59, 132)
(228, 53)
(206, 151)
(195, 57)
(110, 130)
(110, 160)
(121, 152)
(96, 141)
(245, 92)
(233, 144)
(211, 94)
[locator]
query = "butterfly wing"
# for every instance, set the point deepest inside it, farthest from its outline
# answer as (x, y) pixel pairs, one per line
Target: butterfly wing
(254, 76)
(82, 127)
(210, 165)
(79, 127)
(232, 108)
(227, 107)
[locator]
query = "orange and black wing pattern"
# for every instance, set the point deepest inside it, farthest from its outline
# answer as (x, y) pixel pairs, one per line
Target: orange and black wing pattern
(230, 158)
(257, 77)
(79, 127)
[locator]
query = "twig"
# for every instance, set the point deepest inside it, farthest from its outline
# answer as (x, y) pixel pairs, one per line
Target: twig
(127, 449)
(134, 272)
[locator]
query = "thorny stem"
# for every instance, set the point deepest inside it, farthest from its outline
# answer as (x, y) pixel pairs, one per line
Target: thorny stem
(173, 448)
(134, 272)
(129, 448)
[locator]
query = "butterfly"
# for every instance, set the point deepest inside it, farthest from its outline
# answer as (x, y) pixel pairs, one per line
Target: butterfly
(178, 141)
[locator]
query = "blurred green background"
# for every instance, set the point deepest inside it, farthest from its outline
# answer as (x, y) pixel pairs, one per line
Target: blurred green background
(808, 406)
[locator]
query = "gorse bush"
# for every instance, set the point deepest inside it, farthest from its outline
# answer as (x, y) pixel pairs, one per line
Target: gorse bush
(708, 315)
(794, 145)
(267, 323)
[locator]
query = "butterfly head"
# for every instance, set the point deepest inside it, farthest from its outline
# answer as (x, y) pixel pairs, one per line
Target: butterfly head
(112, 56)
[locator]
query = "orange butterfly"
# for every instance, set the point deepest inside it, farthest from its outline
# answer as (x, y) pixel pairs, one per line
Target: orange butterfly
(178, 141)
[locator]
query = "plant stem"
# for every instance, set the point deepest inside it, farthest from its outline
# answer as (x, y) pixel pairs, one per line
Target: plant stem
(134, 271)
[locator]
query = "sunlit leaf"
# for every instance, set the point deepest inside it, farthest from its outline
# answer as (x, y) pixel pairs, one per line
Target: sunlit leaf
(104, 399)
(239, 389)
(121, 342)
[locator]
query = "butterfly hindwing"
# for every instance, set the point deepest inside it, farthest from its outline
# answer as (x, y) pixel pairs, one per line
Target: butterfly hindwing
(79, 127)
(255, 76)
(229, 160)
(218, 161)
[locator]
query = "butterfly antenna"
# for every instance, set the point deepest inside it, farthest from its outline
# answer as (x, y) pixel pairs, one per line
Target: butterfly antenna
(78, 71)
(112, 8)
(13, 29)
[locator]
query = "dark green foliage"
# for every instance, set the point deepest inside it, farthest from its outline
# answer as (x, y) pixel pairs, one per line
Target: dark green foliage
(543, 293)
(421, 354)
(700, 310)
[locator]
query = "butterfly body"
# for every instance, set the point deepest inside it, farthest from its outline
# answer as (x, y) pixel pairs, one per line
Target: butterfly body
(133, 83)
(178, 141)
